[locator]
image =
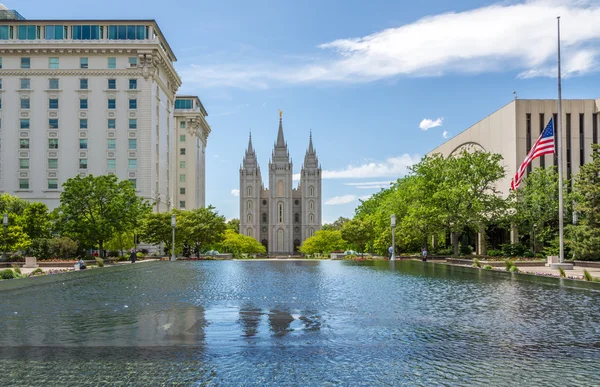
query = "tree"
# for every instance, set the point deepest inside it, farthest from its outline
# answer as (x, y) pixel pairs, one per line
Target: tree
(16, 239)
(358, 232)
(323, 242)
(63, 247)
(155, 228)
(234, 224)
(587, 199)
(238, 244)
(199, 228)
(36, 221)
(94, 208)
(336, 225)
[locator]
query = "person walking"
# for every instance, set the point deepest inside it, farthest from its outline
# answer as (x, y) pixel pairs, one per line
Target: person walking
(133, 256)
(424, 254)
(390, 251)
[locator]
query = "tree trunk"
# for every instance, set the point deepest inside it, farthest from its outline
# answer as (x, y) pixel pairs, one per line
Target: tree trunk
(455, 237)
(101, 245)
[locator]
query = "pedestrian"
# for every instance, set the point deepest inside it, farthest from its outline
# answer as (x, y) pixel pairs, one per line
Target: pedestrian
(391, 251)
(133, 256)
(424, 253)
(81, 264)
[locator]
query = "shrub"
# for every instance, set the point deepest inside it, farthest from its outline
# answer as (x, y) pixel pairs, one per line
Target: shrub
(587, 276)
(145, 252)
(113, 253)
(40, 248)
(514, 269)
(447, 251)
(508, 264)
(465, 249)
(17, 269)
(488, 267)
(139, 254)
(7, 274)
(476, 263)
(562, 272)
(37, 271)
(63, 247)
(516, 250)
(99, 262)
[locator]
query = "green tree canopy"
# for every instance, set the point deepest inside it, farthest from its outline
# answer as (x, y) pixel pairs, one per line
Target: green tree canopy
(200, 228)
(238, 244)
(323, 242)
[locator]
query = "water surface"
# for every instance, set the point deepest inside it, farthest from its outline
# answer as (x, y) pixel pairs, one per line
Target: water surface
(298, 323)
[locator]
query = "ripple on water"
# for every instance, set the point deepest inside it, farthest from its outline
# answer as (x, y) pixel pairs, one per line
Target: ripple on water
(299, 323)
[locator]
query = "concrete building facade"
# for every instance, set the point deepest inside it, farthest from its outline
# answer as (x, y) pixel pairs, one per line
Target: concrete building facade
(280, 217)
(82, 97)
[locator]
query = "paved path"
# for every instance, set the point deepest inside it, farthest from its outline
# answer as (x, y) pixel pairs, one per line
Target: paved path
(47, 269)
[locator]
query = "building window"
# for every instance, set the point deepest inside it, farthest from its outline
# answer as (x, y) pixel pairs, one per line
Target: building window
(83, 63)
(0, 63)
(87, 32)
(311, 218)
(83, 163)
(57, 32)
(112, 84)
(112, 103)
(53, 84)
(182, 124)
(83, 103)
(53, 103)
(132, 84)
(52, 163)
(595, 128)
(311, 205)
(24, 143)
(132, 61)
(297, 218)
(182, 204)
(182, 191)
(24, 163)
(311, 191)
(581, 140)
(25, 63)
(52, 184)
(133, 123)
(111, 163)
(53, 123)
(280, 212)
(53, 143)
(568, 138)
(182, 164)
(249, 190)
(0, 81)
(83, 123)
(542, 127)
(132, 143)
(249, 204)
(182, 178)
(182, 137)
(127, 32)
(23, 183)
(25, 103)
(133, 182)
(112, 63)
(25, 123)
(280, 188)
(182, 151)
(133, 103)
(25, 83)
(83, 143)
(264, 218)
(184, 104)
(6, 32)
(311, 232)
(83, 84)
(53, 63)
(112, 123)
(132, 164)
(111, 144)
(249, 218)
(28, 32)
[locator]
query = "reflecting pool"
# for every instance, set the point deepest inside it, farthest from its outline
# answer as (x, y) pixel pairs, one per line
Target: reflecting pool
(298, 323)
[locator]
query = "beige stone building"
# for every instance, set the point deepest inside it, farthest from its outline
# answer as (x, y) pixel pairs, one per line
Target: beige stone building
(513, 129)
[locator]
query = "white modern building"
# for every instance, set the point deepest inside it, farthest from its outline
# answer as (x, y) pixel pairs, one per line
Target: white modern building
(280, 217)
(97, 97)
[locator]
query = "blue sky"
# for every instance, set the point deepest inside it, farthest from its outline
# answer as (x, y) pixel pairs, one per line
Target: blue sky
(366, 77)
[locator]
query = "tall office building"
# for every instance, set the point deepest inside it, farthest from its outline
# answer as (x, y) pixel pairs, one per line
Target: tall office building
(97, 97)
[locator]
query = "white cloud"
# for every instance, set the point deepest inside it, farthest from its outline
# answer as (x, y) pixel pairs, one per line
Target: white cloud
(445, 134)
(429, 123)
(507, 36)
(370, 184)
(392, 167)
(337, 200)
(235, 192)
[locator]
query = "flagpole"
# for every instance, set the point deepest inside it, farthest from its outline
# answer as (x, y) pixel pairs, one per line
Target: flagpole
(561, 226)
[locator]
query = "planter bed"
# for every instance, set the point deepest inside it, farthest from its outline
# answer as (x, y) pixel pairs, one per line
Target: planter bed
(464, 261)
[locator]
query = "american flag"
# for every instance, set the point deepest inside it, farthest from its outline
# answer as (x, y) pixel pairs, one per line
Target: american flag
(543, 146)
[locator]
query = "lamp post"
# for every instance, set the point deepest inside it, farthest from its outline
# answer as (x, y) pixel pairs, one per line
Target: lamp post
(393, 221)
(173, 222)
(5, 223)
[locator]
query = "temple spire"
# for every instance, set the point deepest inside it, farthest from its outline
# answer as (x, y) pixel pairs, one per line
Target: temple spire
(280, 139)
(250, 149)
(310, 144)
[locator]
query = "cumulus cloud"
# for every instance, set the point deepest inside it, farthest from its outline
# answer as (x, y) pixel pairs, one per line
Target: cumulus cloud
(370, 184)
(391, 167)
(445, 134)
(429, 123)
(507, 36)
(235, 192)
(344, 199)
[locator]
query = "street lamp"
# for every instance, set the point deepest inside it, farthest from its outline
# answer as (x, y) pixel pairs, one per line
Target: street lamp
(173, 222)
(5, 223)
(393, 221)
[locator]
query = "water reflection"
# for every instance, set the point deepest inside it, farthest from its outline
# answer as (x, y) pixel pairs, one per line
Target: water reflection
(279, 322)
(250, 320)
